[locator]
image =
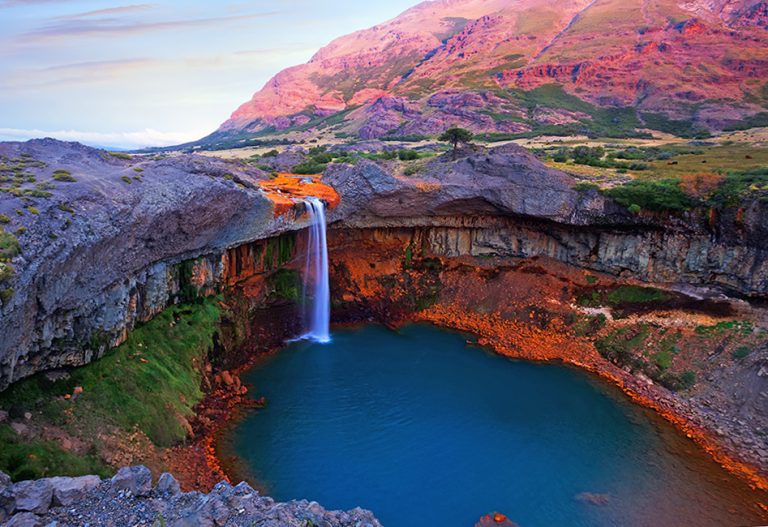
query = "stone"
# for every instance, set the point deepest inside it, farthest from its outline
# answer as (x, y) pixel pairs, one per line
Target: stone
(7, 504)
(67, 491)
(226, 377)
(33, 496)
(167, 484)
(24, 519)
(5, 480)
(136, 480)
(593, 498)
(20, 428)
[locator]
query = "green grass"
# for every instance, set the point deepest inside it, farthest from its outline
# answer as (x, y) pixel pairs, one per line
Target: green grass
(744, 327)
(150, 382)
(663, 359)
(633, 294)
(23, 459)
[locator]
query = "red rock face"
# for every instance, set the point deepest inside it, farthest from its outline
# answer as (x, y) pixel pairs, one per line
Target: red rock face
(664, 56)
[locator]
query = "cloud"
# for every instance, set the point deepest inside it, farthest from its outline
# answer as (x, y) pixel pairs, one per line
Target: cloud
(111, 27)
(18, 3)
(76, 73)
(119, 10)
(129, 140)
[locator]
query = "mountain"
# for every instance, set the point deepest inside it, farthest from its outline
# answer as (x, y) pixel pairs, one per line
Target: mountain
(526, 67)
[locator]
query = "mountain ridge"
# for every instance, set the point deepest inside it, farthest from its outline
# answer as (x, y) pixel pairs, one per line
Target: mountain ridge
(700, 64)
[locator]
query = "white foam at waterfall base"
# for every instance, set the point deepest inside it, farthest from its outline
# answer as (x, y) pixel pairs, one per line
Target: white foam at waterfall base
(317, 294)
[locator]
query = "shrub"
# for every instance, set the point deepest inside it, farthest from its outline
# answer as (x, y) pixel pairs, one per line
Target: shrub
(120, 155)
(663, 195)
(309, 167)
(633, 294)
(412, 170)
(585, 186)
(9, 246)
(741, 352)
(126, 179)
(271, 153)
(322, 158)
(6, 271)
(407, 155)
(64, 175)
(635, 209)
(4, 218)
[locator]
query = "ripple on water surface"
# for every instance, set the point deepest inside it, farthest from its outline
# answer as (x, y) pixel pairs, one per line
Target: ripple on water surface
(420, 428)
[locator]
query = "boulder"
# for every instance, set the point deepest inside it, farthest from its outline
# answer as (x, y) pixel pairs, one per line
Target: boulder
(136, 480)
(5, 480)
(33, 496)
(67, 491)
(24, 519)
(7, 504)
(167, 484)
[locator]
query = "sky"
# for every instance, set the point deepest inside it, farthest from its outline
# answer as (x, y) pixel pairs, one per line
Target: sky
(125, 75)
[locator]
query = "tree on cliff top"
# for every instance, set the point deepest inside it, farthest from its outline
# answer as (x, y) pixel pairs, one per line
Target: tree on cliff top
(456, 135)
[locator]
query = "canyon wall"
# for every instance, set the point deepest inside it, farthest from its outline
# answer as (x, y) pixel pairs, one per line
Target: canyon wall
(116, 245)
(125, 251)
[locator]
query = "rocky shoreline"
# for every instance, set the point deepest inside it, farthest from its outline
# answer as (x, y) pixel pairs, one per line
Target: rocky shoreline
(130, 498)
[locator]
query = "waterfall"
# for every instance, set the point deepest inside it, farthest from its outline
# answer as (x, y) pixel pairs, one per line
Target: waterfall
(317, 295)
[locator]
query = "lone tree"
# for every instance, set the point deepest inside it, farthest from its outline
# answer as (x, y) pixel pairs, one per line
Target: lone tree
(456, 135)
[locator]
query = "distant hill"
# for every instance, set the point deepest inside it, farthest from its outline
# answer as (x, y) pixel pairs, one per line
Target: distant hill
(609, 68)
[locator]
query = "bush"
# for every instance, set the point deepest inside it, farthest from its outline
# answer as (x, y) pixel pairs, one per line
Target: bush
(407, 155)
(663, 195)
(585, 186)
(635, 209)
(741, 352)
(309, 167)
(271, 153)
(63, 175)
(9, 246)
(4, 218)
(633, 294)
(126, 179)
(322, 158)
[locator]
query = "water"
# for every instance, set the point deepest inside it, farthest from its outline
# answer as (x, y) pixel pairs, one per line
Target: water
(424, 430)
(317, 297)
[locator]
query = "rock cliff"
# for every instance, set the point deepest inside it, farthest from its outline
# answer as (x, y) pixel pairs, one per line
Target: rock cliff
(505, 203)
(129, 236)
(100, 240)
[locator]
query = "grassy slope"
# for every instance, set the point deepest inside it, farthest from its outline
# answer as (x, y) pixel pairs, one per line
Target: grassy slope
(149, 383)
